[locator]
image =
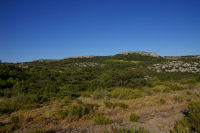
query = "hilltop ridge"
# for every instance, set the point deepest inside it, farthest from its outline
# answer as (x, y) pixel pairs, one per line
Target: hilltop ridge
(141, 53)
(136, 55)
(124, 53)
(88, 56)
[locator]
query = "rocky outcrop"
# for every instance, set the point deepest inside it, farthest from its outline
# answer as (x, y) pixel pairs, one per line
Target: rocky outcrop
(177, 66)
(88, 64)
(141, 53)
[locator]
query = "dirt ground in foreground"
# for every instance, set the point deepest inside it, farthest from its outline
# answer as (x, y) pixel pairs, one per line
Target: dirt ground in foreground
(154, 116)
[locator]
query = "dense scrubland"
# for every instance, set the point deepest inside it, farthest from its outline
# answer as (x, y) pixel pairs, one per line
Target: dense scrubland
(100, 94)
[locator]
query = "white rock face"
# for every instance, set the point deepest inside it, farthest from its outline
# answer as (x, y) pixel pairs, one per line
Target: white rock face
(88, 64)
(176, 66)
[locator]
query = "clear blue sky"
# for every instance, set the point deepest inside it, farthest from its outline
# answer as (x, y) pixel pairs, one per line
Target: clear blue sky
(54, 29)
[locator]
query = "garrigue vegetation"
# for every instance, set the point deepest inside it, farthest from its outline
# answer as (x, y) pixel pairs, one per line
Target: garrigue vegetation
(33, 85)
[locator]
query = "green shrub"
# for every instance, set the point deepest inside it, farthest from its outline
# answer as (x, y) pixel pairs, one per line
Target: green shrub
(100, 120)
(191, 122)
(122, 105)
(61, 113)
(181, 127)
(99, 94)
(9, 105)
(194, 115)
(166, 90)
(170, 86)
(124, 93)
(90, 108)
(67, 100)
(141, 130)
(134, 117)
(36, 131)
(86, 94)
(175, 86)
(198, 78)
(191, 98)
(134, 130)
(10, 127)
(77, 111)
(78, 101)
(189, 81)
(109, 104)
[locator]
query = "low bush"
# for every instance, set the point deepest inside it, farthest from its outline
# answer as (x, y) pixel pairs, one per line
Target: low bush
(134, 117)
(124, 93)
(100, 120)
(109, 105)
(191, 121)
(37, 131)
(134, 130)
(189, 81)
(194, 115)
(90, 108)
(86, 94)
(77, 111)
(67, 100)
(10, 105)
(78, 101)
(62, 113)
(181, 127)
(100, 94)
(11, 126)
(172, 87)
(122, 105)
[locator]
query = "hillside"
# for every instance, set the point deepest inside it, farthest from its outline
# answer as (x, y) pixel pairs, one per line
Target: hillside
(129, 91)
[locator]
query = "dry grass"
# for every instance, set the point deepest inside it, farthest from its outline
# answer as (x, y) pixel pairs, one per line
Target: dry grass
(154, 116)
